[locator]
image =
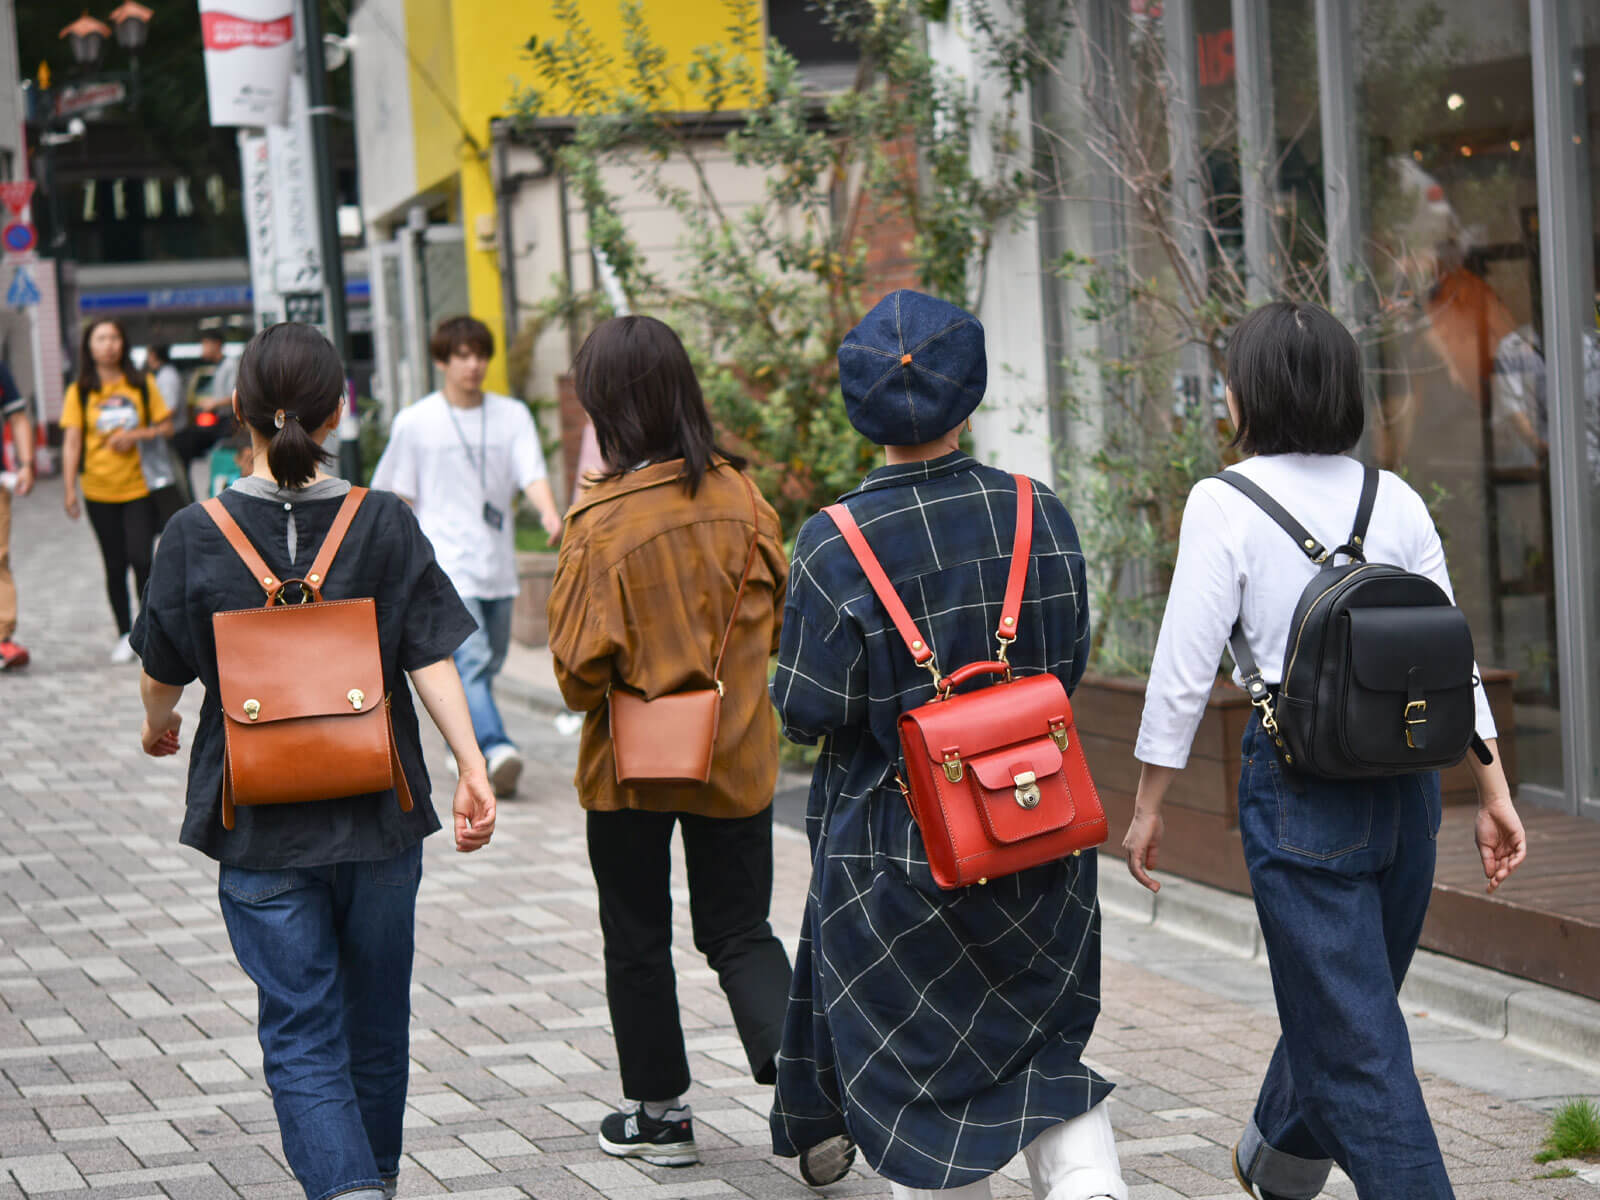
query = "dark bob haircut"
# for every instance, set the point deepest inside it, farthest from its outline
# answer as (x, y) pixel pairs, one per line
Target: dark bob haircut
(635, 381)
(292, 369)
(460, 333)
(1295, 373)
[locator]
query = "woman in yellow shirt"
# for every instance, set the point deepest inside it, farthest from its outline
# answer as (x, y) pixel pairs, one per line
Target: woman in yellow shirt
(106, 414)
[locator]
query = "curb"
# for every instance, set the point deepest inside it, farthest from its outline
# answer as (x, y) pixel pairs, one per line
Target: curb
(1529, 1016)
(544, 700)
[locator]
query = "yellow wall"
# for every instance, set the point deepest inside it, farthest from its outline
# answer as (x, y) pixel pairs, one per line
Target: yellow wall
(433, 127)
(479, 47)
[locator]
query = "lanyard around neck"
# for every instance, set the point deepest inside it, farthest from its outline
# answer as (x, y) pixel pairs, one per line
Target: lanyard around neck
(482, 461)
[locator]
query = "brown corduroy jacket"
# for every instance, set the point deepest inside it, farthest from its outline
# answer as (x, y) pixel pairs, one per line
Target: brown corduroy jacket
(642, 594)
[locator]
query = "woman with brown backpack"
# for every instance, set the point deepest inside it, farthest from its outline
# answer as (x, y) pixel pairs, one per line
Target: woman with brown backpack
(319, 866)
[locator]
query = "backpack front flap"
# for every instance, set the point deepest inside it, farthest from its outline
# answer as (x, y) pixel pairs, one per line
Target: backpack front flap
(1408, 700)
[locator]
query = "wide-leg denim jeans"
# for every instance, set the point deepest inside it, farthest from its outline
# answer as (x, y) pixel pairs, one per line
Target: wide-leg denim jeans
(329, 950)
(1342, 873)
(478, 661)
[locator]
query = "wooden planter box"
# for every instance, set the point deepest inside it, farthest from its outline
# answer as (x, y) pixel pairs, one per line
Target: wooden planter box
(1202, 806)
(536, 573)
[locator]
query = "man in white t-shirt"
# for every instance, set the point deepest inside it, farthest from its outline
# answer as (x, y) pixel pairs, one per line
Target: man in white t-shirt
(459, 457)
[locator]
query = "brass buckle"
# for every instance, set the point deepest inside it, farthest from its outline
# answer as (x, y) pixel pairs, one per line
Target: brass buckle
(1005, 647)
(1421, 708)
(1027, 789)
(1058, 732)
(953, 770)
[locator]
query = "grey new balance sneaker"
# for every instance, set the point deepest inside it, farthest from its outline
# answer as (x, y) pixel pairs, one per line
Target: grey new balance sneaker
(634, 1133)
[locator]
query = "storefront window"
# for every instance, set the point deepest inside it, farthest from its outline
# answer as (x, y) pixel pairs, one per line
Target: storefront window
(1451, 254)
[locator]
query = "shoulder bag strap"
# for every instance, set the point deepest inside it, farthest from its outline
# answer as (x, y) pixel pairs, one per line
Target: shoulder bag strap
(1021, 551)
(873, 570)
(241, 545)
(1356, 547)
(738, 596)
(1309, 546)
(330, 544)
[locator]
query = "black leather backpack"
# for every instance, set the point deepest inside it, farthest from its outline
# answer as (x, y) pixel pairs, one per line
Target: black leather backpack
(1378, 672)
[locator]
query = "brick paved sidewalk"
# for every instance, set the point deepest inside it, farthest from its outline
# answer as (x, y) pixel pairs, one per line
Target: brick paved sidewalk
(128, 1063)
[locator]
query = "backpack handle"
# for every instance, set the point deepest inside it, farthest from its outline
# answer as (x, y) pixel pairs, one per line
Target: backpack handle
(1010, 608)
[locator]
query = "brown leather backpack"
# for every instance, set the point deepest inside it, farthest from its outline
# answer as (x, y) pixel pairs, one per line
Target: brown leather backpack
(303, 706)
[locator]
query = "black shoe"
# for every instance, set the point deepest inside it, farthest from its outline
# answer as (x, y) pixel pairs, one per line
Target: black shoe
(664, 1142)
(828, 1161)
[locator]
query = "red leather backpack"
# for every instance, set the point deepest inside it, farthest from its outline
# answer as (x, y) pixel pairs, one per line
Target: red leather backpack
(995, 779)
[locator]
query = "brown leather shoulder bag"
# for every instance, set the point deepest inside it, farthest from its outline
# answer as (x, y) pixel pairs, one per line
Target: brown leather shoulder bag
(673, 738)
(303, 706)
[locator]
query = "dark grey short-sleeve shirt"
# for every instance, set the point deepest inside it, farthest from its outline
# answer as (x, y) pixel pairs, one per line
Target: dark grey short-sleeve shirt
(420, 621)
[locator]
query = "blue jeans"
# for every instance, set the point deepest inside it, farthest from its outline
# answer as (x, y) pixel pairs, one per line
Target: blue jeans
(1342, 873)
(329, 950)
(479, 660)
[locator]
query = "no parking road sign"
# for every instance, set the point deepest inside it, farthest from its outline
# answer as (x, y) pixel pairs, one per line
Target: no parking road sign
(18, 237)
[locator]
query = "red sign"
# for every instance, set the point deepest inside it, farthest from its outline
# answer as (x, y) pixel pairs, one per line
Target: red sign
(92, 95)
(224, 31)
(15, 196)
(18, 237)
(1217, 64)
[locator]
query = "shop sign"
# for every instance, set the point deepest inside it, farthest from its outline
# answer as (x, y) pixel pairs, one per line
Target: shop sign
(249, 56)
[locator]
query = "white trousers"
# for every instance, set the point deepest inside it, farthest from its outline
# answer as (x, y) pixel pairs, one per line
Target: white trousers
(1075, 1160)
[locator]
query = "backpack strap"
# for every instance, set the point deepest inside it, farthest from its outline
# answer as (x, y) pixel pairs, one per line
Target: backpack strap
(1356, 547)
(1309, 546)
(1006, 632)
(330, 544)
(241, 545)
(264, 575)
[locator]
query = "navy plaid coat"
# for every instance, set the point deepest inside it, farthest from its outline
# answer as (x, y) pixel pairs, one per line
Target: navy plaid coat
(942, 1030)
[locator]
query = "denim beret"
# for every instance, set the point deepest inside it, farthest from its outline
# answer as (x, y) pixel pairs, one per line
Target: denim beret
(914, 368)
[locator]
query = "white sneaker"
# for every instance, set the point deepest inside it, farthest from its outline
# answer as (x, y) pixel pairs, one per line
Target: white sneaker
(505, 768)
(122, 652)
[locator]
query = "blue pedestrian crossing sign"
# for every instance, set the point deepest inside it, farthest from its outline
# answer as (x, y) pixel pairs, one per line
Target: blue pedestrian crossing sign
(23, 291)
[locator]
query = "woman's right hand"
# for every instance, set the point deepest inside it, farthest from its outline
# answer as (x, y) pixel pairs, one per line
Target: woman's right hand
(69, 500)
(474, 809)
(1502, 844)
(1142, 845)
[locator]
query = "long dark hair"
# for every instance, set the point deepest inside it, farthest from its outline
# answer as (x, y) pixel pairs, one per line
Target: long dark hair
(292, 369)
(635, 381)
(89, 374)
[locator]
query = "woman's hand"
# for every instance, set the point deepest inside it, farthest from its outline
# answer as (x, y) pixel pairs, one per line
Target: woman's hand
(474, 809)
(1501, 841)
(122, 440)
(1142, 844)
(69, 500)
(161, 741)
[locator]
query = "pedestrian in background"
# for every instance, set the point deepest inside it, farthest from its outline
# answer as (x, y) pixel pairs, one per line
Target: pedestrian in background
(460, 456)
(644, 592)
(212, 401)
(110, 412)
(14, 411)
(1342, 870)
(169, 382)
(319, 898)
(941, 1031)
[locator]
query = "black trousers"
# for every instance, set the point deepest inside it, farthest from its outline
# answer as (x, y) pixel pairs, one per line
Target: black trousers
(127, 536)
(729, 863)
(193, 440)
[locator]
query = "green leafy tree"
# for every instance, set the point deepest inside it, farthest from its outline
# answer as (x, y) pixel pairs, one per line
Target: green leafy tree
(764, 294)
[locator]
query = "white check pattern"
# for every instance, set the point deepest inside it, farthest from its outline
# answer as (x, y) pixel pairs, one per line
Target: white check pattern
(942, 1030)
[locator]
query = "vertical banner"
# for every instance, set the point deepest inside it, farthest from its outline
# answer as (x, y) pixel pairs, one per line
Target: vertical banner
(255, 173)
(249, 55)
(297, 249)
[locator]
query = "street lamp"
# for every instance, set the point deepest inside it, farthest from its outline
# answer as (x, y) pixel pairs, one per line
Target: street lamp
(133, 25)
(86, 38)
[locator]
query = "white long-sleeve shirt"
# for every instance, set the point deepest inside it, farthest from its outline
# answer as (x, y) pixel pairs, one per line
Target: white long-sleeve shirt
(1234, 561)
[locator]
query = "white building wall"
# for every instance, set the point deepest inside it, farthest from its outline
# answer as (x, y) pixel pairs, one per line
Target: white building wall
(386, 144)
(1011, 429)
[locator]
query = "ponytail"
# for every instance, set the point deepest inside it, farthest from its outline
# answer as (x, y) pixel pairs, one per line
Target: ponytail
(290, 384)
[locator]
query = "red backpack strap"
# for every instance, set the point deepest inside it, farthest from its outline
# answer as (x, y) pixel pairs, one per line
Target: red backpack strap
(915, 642)
(1021, 549)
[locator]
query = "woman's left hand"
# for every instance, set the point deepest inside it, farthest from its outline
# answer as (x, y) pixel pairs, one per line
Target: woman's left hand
(1502, 844)
(1142, 845)
(161, 741)
(474, 810)
(122, 441)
